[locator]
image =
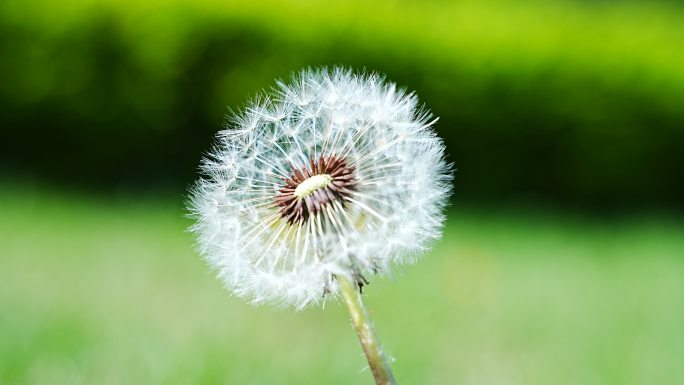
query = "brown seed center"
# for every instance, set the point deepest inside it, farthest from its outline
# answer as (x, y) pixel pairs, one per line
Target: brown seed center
(311, 188)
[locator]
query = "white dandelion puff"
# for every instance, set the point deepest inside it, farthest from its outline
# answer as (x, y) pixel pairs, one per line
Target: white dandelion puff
(334, 174)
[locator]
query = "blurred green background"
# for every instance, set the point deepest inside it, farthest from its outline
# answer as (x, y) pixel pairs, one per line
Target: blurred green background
(563, 255)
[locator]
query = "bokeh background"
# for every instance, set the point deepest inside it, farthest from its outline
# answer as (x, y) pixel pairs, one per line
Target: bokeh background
(563, 255)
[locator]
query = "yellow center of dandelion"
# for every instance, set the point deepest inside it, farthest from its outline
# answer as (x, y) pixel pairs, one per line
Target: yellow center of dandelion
(312, 184)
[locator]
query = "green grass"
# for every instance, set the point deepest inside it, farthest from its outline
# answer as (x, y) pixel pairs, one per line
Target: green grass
(111, 292)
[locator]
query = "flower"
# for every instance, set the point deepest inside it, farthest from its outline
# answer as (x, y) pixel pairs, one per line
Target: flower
(334, 174)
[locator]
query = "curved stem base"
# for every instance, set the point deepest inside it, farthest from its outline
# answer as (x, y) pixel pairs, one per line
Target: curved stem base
(364, 330)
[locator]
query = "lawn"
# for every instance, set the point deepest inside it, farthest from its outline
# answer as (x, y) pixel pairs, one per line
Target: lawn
(109, 291)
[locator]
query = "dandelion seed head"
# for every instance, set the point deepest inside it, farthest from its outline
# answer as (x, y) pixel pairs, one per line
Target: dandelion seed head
(333, 173)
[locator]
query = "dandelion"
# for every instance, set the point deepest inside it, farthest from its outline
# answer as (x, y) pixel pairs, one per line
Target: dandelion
(310, 191)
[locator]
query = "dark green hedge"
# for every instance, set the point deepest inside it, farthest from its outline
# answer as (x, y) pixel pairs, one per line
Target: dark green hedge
(576, 103)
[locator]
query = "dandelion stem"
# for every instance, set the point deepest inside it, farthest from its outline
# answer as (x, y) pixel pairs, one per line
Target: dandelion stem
(364, 329)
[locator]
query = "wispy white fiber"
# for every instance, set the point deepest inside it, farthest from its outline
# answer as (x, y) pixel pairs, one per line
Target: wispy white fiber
(394, 212)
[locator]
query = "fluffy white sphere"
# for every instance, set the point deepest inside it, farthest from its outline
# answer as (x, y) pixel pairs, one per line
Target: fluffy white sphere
(333, 174)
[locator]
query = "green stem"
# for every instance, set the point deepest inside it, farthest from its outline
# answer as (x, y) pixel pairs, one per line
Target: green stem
(364, 329)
